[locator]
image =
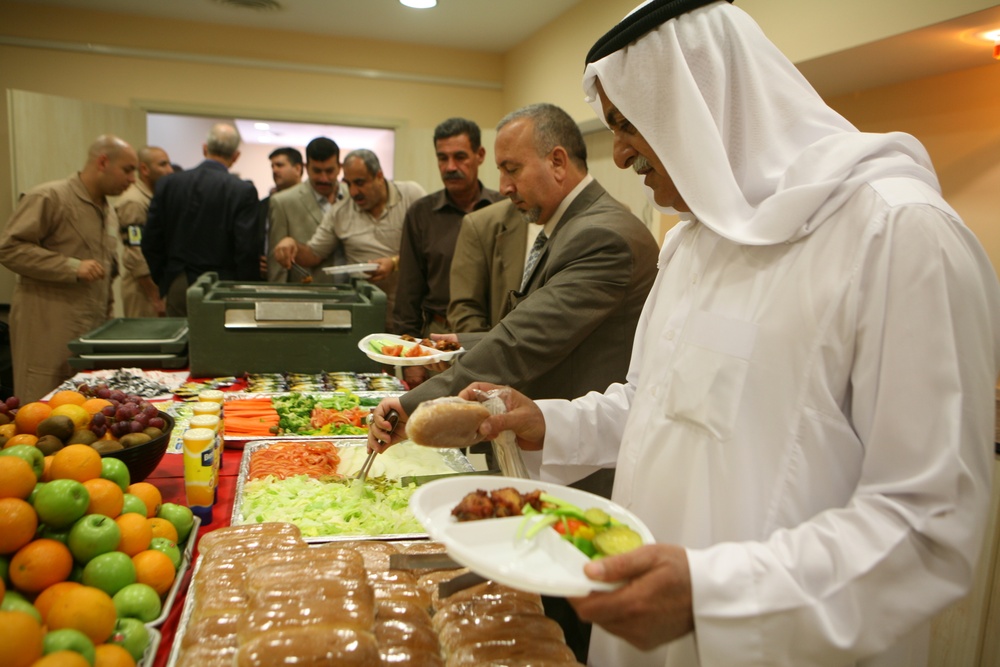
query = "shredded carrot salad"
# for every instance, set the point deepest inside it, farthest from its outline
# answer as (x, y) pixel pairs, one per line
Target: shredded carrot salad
(287, 459)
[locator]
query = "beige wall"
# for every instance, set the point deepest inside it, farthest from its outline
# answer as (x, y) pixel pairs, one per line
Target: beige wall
(953, 115)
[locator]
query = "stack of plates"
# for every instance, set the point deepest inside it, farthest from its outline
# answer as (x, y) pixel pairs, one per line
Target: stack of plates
(133, 342)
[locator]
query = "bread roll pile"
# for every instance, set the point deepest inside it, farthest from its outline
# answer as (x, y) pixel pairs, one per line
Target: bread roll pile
(263, 596)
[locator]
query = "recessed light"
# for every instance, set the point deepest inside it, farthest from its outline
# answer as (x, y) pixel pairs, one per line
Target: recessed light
(419, 4)
(261, 126)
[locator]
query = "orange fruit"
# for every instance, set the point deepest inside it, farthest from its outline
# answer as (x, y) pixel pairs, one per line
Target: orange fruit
(79, 416)
(149, 494)
(163, 528)
(39, 564)
(67, 396)
(30, 415)
(136, 533)
(87, 609)
(155, 569)
(47, 471)
(8, 430)
(106, 497)
(79, 462)
(112, 655)
(64, 658)
(95, 405)
(20, 639)
(18, 523)
(17, 479)
(48, 597)
(21, 439)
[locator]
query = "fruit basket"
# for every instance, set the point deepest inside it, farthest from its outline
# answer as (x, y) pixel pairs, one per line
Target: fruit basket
(142, 459)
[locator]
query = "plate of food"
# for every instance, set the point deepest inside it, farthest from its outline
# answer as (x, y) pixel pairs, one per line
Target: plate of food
(530, 535)
(407, 351)
(353, 269)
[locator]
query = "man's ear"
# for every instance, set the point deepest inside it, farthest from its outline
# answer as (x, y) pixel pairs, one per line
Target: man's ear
(236, 156)
(480, 155)
(559, 159)
(204, 150)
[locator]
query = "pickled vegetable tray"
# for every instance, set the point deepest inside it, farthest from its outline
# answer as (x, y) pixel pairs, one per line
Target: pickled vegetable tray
(328, 509)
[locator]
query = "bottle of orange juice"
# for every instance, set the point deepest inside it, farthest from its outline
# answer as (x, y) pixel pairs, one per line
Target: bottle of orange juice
(201, 475)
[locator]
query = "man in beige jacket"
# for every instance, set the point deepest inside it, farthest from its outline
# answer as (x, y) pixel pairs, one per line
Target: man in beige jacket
(140, 296)
(62, 242)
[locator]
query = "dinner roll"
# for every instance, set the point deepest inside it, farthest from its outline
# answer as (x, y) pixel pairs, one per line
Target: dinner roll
(446, 422)
(310, 646)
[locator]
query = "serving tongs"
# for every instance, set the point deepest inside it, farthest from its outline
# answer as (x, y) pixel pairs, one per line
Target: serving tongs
(393, 418)
(304, 275)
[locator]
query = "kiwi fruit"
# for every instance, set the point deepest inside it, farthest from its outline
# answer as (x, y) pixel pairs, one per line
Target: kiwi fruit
(134, 439)
(60, 426)
(152, 432)
(4, 419)
(105, 446)
(83, 436)
(49, 444)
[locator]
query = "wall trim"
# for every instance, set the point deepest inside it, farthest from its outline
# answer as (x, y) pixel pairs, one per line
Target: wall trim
(253, 63)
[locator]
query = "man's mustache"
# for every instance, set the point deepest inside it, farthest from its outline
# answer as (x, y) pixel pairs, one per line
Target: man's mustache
(453, 176)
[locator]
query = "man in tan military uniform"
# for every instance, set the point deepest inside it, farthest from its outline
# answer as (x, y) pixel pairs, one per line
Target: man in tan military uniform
(62, 241)
(140, 296)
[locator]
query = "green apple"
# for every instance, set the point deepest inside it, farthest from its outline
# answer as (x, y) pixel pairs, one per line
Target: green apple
(93, 535)
(133, 504)
(170, 548)
(110, 572)
(76, 574)
(132, 634)
(14, 601)
(57, 534)
(115, 470)
(180, 516)
(138, 601)
(34, 492)
(33, 455)
(61, 502)
(69, 639)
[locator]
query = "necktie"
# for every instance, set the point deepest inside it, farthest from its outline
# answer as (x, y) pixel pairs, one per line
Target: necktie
(533, 255)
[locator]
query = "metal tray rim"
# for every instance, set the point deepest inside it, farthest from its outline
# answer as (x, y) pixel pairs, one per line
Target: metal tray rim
(355, 441)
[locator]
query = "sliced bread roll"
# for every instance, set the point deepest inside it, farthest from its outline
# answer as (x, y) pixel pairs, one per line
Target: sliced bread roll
(446, 422)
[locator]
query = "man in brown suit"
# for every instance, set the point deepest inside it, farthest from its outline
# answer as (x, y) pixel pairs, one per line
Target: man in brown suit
(63, 242)
(488, 264)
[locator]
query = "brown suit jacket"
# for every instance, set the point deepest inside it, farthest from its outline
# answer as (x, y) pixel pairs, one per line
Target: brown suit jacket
(487, 264)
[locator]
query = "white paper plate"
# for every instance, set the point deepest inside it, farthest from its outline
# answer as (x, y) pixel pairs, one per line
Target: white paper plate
(367, 267)
(497, 549)
(433, 355)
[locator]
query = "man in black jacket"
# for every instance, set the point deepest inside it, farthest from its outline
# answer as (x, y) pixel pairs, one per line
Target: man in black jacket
(200, 220)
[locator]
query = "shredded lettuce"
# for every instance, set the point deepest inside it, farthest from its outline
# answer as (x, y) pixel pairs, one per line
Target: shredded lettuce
(321, 508)
(295, 411)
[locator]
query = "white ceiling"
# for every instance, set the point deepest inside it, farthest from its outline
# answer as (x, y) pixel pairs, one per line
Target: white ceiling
(483, 25)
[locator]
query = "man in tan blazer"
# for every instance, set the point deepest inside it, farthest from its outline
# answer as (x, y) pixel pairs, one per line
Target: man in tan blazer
(298, 211)
(488, 264)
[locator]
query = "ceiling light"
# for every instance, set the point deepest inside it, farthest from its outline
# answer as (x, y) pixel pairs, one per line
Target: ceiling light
(261, 126)
(419, 4)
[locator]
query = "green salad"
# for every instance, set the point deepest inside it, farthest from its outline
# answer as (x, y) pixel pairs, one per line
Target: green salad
(295, 412)
(323, 508)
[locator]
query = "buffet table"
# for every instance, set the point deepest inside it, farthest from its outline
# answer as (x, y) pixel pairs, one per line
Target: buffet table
(169, 478)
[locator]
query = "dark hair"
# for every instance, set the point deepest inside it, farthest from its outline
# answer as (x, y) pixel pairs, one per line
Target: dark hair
(322, 149)
(453, 127)
(293, 155)
(553, 127)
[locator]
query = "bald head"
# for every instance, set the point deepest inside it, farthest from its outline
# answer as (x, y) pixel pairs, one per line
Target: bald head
(223, 143)
(154, 163)
(110, 169)
(107, 145)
